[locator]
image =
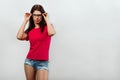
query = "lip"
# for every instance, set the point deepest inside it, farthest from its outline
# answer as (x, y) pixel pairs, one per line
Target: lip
(36, 20)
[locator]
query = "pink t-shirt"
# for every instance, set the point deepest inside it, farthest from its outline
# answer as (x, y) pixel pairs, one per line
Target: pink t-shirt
(39, 44)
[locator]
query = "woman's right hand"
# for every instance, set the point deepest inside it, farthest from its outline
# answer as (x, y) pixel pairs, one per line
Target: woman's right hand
(27, 16)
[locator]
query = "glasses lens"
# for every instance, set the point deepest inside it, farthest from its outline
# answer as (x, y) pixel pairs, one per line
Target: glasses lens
(37, 15)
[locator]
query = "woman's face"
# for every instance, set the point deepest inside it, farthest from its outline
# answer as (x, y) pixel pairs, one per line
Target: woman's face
(37, 16)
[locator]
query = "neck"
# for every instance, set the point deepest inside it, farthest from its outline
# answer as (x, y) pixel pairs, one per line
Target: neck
(36, 25)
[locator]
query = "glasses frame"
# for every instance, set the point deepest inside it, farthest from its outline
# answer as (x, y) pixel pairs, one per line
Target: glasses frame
(38, 15)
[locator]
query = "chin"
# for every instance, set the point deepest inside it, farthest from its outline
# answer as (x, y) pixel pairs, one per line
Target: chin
(37, 22)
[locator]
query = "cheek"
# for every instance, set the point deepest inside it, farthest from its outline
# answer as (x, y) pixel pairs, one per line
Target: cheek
(37, 18)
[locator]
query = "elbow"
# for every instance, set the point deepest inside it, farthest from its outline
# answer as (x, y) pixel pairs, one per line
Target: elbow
(52, 33)
(18, 37)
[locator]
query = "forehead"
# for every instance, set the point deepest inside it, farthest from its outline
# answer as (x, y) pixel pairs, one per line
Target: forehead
(36, 12)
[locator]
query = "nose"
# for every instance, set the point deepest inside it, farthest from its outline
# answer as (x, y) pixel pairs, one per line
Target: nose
(36, 17)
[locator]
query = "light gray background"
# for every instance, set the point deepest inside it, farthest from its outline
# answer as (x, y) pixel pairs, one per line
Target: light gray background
(86, 46)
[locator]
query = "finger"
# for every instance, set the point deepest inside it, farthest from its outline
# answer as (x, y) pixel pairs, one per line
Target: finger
(45, 14)
(28, 14)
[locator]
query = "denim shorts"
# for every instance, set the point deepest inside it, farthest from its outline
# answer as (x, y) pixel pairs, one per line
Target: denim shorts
(37, 64)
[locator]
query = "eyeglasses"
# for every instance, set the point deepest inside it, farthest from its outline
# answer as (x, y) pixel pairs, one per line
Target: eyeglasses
(38, 15)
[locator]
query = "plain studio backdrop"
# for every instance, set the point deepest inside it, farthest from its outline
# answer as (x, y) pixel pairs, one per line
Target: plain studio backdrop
(85, 47)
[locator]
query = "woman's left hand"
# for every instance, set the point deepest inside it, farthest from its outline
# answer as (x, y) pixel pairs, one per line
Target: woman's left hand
(45, 15)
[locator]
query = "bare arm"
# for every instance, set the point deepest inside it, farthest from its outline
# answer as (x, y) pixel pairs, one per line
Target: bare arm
(21, 35)
(50, 28)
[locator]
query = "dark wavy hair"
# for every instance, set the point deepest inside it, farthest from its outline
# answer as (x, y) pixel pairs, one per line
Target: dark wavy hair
(42, 23)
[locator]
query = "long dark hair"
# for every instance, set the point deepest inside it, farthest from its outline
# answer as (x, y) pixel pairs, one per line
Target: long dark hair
(42, 23)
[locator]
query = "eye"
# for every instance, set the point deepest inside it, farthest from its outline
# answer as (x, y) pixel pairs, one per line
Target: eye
(37, 15)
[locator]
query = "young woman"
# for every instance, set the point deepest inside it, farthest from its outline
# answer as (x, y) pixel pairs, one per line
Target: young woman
(39, 34)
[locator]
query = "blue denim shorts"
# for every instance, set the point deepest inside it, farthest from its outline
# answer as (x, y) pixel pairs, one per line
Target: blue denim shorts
(37, 64)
